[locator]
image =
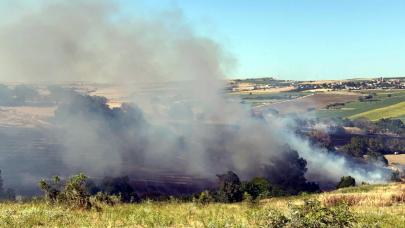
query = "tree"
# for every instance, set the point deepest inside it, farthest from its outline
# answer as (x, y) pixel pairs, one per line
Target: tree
(377, 157)
(257, 187)
(73, 193)
(357, 147)
(287, 173)
(230, 188)
(346, 181)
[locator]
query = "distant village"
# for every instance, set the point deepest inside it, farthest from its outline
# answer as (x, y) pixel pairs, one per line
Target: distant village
(268, 84)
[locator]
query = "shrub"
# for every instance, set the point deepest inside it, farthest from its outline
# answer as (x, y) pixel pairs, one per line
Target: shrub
(230, 188)
(257, 187)
(52, 189)
(205, 197)
(101, 198)
(275, 218)
(345, 182)
(73, 193)
(313, 214)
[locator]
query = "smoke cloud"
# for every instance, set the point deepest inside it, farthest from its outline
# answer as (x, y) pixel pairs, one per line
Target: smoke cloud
(188, 128)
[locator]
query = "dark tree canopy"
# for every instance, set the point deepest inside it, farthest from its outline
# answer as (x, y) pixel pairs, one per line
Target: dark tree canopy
(346, 181)
(119, 186)
(257, 187)
(230, 188)
(288, 173)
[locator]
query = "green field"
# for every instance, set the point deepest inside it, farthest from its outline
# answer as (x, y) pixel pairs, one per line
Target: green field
(371, 206)
(382, 105)
(391, 111)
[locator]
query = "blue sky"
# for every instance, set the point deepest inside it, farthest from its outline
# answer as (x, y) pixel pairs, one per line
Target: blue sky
(301, 39)
(294, 39)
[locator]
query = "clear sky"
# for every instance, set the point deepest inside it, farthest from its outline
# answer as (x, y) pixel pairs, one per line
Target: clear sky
(294, 39)
(301, 39)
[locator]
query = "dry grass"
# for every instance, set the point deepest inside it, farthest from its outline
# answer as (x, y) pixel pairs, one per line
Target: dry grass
(266, 91)
(394, 159)
(373, 206)
(378, 196)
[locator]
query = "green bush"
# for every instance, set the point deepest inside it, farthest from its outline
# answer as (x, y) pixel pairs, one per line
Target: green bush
(275, 218)
(101, 199)
(205, 197)
(313, 214)
(52, 189)
(345, 182)
(258, 187)
(73, 193)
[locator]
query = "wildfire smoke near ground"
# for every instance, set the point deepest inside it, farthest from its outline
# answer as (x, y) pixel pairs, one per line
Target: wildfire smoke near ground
(202, 135)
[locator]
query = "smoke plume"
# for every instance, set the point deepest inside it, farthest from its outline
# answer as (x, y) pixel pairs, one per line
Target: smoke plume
(187, 128)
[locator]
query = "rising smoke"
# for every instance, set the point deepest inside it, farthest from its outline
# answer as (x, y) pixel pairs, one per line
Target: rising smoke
(192, 129)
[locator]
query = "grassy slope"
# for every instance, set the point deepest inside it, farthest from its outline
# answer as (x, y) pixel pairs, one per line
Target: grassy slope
(379, 205)
(391, 111)
(381, 100)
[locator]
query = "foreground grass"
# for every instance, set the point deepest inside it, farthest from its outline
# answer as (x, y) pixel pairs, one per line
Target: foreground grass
(374, 206)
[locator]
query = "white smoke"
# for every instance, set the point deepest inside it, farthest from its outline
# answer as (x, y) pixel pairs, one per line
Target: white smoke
(62, 41)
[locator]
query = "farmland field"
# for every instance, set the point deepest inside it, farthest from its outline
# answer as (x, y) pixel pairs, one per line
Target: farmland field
(395, 158)
(391, 111)
(380, 100)
(312, 101)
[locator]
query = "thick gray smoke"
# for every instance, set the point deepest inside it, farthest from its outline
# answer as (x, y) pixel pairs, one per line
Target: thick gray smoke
(191, 129)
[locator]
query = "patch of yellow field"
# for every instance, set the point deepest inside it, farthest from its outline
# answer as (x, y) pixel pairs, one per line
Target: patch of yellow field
(390, 111)
(265, 91)
(318, 82)
(395, 159)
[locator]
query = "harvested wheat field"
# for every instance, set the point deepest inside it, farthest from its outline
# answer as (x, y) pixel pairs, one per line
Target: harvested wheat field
(394, 159)
(314, 101)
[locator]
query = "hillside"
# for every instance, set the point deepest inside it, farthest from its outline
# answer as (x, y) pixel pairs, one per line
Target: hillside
(371, 205)
(382, 105)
